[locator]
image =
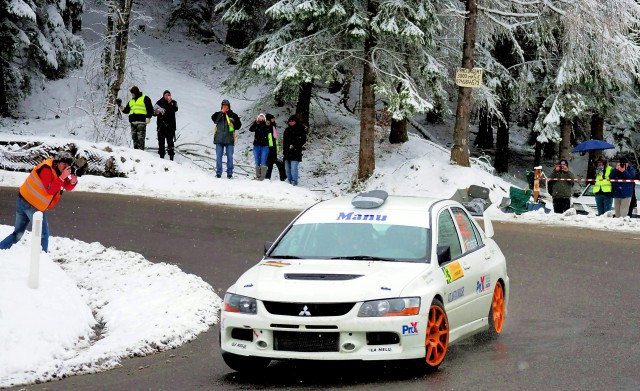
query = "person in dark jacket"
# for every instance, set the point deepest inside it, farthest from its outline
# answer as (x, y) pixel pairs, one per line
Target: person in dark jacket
(623, 191)
(274, 150)
(261, 132)
(224, 136)
(293, 140)
(562, 188)
(140, 110)
(165, 109)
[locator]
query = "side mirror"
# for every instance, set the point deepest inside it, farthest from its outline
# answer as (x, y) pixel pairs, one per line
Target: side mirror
(444, 254)
(267, 246)
(488, 227)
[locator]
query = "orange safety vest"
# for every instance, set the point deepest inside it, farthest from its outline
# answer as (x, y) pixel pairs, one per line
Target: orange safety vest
(34, 191)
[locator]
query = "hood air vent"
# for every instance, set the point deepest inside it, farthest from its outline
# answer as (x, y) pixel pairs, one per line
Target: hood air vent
(321, 277)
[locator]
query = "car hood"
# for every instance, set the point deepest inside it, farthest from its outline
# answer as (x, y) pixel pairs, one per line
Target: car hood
(328, 281)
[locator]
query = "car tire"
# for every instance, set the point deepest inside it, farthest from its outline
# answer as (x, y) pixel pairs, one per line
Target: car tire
(437, 338)
(245, 363)
(496, 315)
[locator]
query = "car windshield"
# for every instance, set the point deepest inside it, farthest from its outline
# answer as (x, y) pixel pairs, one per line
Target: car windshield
(359, 241)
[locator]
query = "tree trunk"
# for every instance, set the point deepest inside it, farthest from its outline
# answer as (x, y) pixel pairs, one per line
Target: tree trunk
(120, 49)
(398, 134)
(565, 144)
(4, 103)
(597, 133)
(460, 148)
(366, 157)
(484, 139)
(501, 163)
(304, 103)
(107, 51)
(537, 154)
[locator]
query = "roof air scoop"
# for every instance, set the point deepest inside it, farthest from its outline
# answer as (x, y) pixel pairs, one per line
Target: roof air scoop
(370, 199)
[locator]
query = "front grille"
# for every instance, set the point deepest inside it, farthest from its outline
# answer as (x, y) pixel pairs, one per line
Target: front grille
(308, 309)
(288, 341)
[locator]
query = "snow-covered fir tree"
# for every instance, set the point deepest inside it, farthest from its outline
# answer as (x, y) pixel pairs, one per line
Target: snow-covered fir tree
(36, 43)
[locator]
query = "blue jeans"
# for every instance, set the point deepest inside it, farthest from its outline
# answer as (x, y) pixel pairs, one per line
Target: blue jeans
(291, 167)
(219, 151)
(24, 215)
(260, 154)
(604, 202)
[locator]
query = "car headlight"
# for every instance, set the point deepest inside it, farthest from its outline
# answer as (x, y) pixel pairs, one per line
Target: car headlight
(242, 304)
(403, 306)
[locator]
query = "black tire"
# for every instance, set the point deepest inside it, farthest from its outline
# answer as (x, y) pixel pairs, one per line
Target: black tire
(245, 363)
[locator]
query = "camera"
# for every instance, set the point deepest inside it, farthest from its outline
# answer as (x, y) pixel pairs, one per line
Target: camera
(119, 102)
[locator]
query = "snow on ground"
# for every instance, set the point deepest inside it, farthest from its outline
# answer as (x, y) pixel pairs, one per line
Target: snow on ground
(95, 304)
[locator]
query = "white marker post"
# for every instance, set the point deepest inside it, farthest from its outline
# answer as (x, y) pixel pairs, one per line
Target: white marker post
(36, 248)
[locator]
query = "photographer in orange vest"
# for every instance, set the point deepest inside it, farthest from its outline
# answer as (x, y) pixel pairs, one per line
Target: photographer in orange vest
(40, 192)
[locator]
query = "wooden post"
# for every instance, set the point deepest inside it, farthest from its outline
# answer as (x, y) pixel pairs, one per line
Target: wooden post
(537, 174)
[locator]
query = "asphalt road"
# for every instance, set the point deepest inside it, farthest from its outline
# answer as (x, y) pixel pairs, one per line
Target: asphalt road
(572, 322)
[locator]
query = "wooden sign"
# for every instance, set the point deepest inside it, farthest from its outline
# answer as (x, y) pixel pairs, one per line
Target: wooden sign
(469, 77)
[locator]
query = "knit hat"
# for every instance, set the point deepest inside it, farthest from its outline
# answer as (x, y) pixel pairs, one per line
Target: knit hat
(293, 118)
(63, 157)
(270, 117)
(261, 115)
(166, 92)
(623, 160)
(225, 102)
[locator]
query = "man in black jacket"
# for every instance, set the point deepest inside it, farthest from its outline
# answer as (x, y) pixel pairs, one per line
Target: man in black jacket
(165, 109)
(293, 140)
(226, 123)
(140, 110)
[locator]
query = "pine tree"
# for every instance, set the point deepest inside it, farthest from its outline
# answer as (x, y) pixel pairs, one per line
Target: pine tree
(388, 41)
(36, 42)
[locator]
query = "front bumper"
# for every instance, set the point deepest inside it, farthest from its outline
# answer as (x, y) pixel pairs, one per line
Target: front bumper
(346, 337)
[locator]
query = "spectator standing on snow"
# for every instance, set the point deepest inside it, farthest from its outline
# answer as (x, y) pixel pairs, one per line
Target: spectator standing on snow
(40, 192)
(165, 109)
(293, 140)
(274, 150)
(140, 110)
(224, 136)
(563, 187)
(622, 191)
(261, 132)
(602, 188)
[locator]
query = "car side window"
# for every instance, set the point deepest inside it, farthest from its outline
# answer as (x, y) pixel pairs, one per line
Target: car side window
(470, 238)
(448, 234)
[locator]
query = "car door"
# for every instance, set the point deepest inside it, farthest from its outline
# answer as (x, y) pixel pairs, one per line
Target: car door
(478, 268)
(455, 291)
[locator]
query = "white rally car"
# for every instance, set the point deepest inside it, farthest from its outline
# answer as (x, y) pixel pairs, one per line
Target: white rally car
(370, 277)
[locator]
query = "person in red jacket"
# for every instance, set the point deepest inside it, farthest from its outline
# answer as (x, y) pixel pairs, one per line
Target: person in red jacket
(40, 192)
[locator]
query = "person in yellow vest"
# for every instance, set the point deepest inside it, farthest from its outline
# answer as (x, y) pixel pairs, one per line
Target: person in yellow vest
(40, 192)
(602, 189)
(140, 110)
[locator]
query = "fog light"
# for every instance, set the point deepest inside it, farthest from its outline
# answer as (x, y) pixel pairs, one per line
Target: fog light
(348, 346)
(262, 344)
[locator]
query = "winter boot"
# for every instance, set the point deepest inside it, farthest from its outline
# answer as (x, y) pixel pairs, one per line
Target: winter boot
(258, 172)
(263, 172)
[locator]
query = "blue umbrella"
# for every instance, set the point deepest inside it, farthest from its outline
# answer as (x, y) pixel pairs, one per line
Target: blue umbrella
(592, 145)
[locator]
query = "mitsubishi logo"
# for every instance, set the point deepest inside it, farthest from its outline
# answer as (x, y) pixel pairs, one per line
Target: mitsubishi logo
(305, 312)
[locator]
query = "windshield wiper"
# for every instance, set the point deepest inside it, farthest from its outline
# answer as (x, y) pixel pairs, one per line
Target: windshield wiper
(283, 257)
(364, 258)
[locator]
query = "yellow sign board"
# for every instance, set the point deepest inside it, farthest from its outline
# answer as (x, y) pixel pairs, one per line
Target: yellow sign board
(469, 77)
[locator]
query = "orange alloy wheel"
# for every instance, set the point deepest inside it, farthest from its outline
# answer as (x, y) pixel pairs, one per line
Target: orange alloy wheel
(437, 341)
(498, 308)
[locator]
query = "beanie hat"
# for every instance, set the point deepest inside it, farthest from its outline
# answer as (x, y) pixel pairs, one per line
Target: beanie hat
(623, 160)
(63, 157)
(261, 115)
(225, 102)
(166, 92)
(293, 118)
(270, 117)
(134, 90)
